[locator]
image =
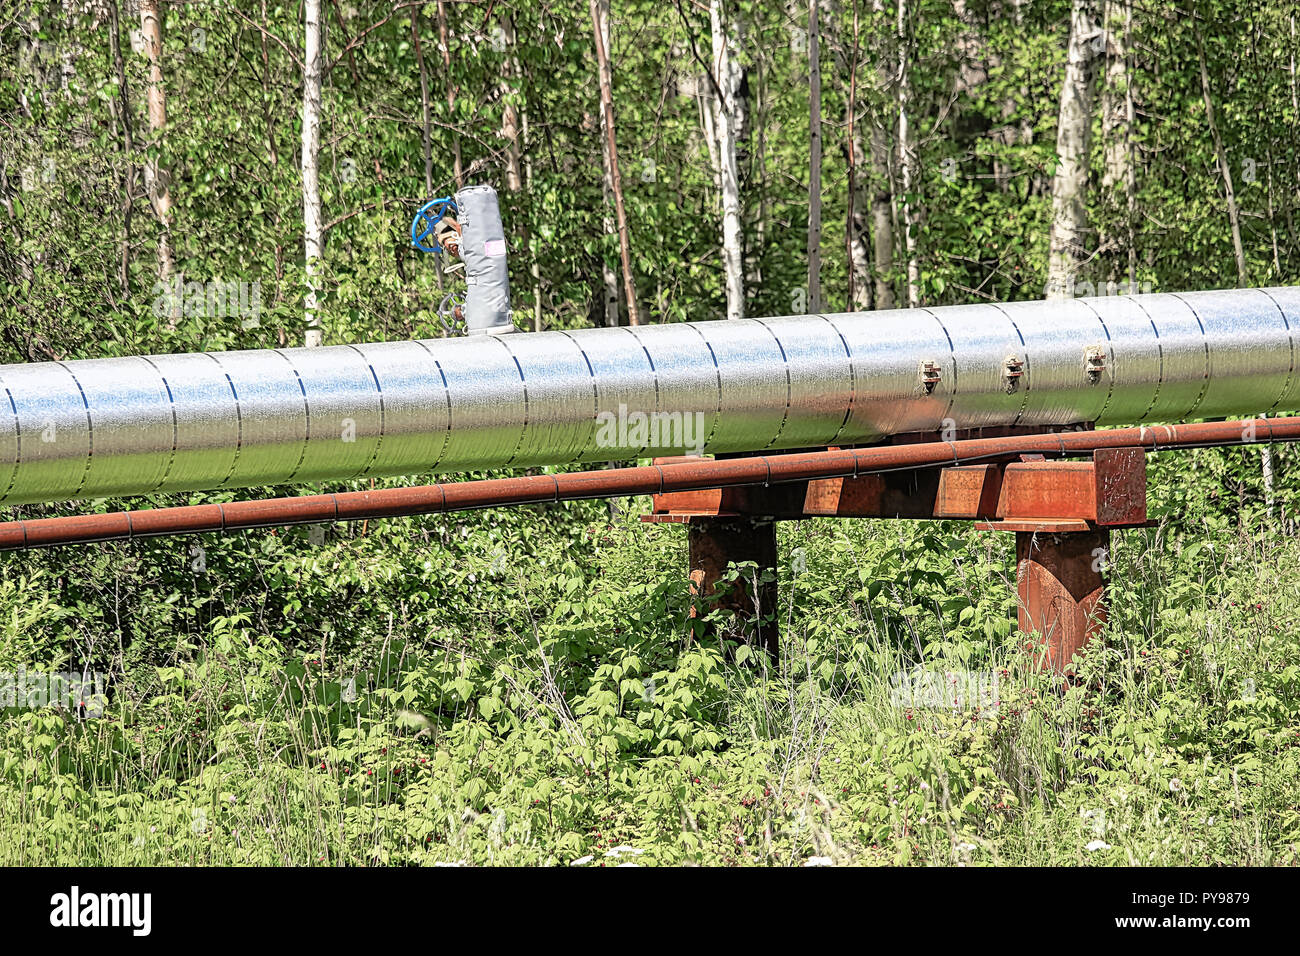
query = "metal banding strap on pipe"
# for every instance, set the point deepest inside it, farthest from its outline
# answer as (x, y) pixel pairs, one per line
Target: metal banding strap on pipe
(94, 428)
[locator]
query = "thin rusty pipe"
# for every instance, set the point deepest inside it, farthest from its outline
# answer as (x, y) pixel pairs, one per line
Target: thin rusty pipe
(620, 482)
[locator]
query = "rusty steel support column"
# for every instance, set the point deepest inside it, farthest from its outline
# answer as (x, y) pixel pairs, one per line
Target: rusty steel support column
(1061, 591)
(713, 544)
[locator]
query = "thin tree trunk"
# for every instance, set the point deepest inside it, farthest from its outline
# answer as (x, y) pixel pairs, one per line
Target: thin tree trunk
(155, 177)
(513, 127)
(1295, 124)
(858, 262)
(757, 112)
(426, 127)
(814, 160)
(726, 73)
(273, 154)
(426, 124)
(1130, 183)
(1116, 133)
(30, 76)
(708, 117)
(1009, 134)
(1114, 119)
(608, 274)
(458, 172)
(882, 219)
(1066, 244)
(535, 267)
(30, 65)
(128, 146)
(267, 118)
(510, 112)
(907, 162)
(1037, 182)
(882, 180)
(1272, 213)
(598, 9)
(311, 211)
(1225, 170)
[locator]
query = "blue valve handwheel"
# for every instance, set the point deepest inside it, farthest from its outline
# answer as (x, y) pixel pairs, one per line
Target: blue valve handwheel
(426, 221)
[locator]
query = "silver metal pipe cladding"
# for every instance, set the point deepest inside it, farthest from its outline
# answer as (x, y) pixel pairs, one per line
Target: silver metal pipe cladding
(102, 427)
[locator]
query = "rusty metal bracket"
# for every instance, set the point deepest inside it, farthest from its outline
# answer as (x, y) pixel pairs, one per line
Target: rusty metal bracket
(1061, 512)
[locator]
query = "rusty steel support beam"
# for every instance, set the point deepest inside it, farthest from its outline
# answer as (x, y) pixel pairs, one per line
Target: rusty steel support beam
(1060, 511)
(1061, 592)
(713, 545)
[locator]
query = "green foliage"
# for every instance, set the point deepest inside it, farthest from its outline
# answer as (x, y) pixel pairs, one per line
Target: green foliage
(520, 686)
(412, 699)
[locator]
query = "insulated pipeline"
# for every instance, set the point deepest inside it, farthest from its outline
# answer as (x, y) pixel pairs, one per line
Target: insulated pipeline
(94, 428)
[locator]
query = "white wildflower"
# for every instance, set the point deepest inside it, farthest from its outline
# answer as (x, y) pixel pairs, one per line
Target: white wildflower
(620, 850)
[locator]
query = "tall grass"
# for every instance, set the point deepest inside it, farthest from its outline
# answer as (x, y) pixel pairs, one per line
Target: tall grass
(577, 730)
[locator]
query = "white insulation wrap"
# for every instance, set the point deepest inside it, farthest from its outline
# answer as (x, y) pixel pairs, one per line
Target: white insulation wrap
(95, 428)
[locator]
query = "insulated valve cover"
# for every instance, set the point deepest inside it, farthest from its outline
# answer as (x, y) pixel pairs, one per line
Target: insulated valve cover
(483, 249)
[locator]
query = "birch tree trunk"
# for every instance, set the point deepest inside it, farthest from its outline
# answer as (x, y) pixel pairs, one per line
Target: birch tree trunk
(882, 218)
(30, 67)
(882, 176)
(535, 267)
(608, 275)
(273, 153)
(1225, 170)
(510, 112)
(155, 177)
(907, 162)
(1066, 249)
(1114, 115)
(726, 73)
(757, 112)
(311, 212)
(1118, 179)
(1130, 182)
(814, 160)
(857, 230)
(600, 15)
(514, 127)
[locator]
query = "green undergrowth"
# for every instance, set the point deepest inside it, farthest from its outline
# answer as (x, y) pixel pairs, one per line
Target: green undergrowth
(520, 688)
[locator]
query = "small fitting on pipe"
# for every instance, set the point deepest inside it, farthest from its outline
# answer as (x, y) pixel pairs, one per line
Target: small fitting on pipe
(931, 375)
(1012, 370)
(1094, 363)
